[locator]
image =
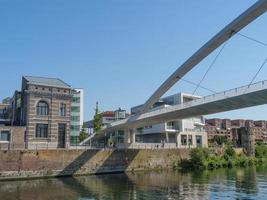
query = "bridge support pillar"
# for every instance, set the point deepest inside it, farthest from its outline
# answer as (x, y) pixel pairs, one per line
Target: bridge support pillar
(129, 136)
(177, 139)
(133, 132)
(167, 137)
(126, 136)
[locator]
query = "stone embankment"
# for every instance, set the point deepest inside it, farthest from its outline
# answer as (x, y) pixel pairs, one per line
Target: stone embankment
(19, 164)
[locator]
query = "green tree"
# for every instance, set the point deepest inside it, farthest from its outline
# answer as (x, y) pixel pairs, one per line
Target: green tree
(83, 135)
(97, 119)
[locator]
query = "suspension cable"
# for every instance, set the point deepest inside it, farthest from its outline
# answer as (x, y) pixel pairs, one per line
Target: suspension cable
(200, 86)
(254, 77)
(251, 38)
(211, 65)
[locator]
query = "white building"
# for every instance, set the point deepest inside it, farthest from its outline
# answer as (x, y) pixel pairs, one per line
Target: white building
(185, 133)
(77, 114)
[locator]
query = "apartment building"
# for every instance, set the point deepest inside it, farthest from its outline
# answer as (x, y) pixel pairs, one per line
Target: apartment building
(185, 133)
(232, 129)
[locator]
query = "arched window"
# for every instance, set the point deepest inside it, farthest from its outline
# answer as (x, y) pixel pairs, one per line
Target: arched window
(42, 108)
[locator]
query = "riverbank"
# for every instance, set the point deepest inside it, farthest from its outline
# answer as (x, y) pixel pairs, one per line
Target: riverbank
(224, 183)
(18, 164)
(228, 157)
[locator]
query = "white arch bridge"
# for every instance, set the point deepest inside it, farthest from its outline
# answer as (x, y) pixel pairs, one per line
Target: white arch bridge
(242, 97)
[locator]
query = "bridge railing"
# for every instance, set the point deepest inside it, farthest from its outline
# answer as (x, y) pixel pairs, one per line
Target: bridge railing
(216, 96)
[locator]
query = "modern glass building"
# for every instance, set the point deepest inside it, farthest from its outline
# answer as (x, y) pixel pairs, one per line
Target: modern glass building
(77, 115)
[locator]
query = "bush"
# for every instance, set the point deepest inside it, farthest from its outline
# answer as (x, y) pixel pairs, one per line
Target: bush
(261, 151)
(229, 152)
(198, 157)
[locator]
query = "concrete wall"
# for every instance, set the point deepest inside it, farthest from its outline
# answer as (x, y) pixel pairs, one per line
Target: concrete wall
(28, 164)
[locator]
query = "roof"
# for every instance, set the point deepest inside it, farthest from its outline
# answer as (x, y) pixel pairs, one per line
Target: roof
(108, 114)
(53, 82)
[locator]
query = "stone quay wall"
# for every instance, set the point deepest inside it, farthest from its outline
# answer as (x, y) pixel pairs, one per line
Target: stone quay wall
(19, 164)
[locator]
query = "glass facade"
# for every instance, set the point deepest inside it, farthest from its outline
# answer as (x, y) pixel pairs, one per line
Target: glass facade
(76, 115)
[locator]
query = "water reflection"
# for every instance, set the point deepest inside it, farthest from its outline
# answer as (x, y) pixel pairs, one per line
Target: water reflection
(247, 183)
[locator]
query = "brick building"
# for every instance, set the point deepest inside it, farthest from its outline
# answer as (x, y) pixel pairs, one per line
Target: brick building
(38, 116)
(234, 130)
(45, 108)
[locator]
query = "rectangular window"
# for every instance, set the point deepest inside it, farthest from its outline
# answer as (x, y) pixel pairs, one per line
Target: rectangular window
(170, 125)
(184, 139)
(62, 109)
(190, 139)
(75, 118)
(75, 109)
(41, 131)
(76, 99)
(199, 140)
(75, 128)
(5, 136)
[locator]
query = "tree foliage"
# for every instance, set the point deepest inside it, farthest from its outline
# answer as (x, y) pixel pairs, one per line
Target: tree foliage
(97, 119)
(83, 135)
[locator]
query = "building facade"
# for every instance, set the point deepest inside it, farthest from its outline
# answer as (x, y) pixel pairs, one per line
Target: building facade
(108, 117)
(234, 130)
(46, 107)
(77, 115)
(185, 133)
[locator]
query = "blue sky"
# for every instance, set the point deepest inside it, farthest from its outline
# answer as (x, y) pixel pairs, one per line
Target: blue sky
(120, 51)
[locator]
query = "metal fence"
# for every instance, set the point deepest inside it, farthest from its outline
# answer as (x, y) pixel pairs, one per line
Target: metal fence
(22, 146)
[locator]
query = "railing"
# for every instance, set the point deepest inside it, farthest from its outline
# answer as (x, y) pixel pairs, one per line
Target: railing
(214, 97)
(12, 146)
(132, 146)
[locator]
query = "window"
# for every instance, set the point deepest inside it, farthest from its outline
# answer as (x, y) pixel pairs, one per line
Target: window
(5, 136)
(76, 99)
(199, 140)
(41, 131)
(75, 118)
(42, 108)
(184, 139)
(62, 109)
(75, 109)
(170, 125)
(75, 127)
(190, 139)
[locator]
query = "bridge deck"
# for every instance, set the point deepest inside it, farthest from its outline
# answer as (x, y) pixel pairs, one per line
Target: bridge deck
(242, 97)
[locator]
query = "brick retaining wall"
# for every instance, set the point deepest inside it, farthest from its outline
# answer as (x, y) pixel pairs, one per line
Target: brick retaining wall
(46, 163)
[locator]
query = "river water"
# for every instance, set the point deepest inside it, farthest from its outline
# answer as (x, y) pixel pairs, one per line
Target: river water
(249, 183)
